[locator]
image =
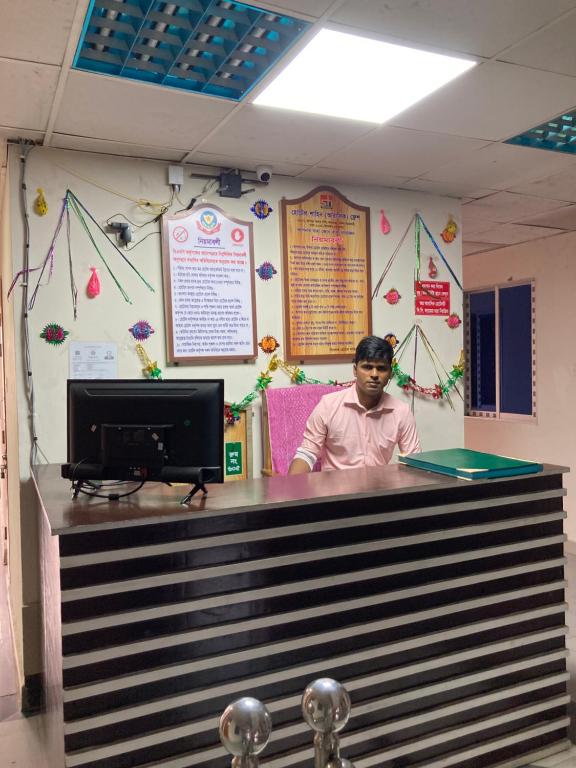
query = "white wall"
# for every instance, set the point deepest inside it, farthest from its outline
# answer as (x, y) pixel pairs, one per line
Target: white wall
(108, 317)
(552, 436)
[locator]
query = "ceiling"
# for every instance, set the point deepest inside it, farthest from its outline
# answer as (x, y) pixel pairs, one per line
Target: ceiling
(449, 144)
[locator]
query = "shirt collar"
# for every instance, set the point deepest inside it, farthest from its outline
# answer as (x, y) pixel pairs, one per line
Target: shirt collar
(384, 404)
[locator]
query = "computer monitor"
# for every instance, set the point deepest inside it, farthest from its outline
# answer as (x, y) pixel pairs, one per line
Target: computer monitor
(140, 430)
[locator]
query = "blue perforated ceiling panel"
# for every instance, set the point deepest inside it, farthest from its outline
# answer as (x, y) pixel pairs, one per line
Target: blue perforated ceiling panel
(214, 47)
(558, 135)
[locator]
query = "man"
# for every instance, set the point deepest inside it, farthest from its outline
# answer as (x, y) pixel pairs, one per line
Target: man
(361, 425)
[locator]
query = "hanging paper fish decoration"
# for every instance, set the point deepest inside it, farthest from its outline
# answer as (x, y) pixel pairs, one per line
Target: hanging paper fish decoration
(449, 232)
(432, 268)
(392, 297)
(93, 287)
(384, 223)
(40, 204)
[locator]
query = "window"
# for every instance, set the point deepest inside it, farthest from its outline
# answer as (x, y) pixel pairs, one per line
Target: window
(500, 352)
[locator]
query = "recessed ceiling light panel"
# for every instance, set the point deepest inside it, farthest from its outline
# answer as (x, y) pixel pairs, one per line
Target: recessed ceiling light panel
(216, 47)
(343, 75)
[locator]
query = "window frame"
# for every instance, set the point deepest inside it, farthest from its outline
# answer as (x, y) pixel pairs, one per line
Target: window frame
(498, 414)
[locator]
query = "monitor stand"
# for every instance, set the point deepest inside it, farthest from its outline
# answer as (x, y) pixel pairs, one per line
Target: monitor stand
(195, 488)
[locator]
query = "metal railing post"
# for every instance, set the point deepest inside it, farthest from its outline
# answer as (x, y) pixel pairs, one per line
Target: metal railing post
(326, 708)
(245, 728)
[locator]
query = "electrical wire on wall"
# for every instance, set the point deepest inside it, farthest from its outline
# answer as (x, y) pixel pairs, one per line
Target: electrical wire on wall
(25, 147)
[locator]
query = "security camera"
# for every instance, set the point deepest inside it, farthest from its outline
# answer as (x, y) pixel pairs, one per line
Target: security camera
(264, 173)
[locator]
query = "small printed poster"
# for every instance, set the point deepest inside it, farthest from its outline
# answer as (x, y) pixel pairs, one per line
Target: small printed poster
(432, 298)
(233, 458)
(93, 360)
(208, 286)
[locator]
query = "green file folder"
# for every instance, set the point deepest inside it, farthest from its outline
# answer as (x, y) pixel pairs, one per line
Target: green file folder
(469, 465)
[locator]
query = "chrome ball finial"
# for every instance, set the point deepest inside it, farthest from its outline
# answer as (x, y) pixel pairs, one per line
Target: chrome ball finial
(245, 727)
(326, 705)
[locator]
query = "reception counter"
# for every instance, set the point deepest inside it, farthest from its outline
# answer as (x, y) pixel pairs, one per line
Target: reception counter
(437, 602)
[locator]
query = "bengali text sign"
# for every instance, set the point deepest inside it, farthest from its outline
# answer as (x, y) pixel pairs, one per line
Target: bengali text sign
(209, 286)
(327, 306)
(432, 297)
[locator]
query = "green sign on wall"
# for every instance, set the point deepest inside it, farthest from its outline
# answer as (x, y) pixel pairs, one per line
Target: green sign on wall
(233, 458)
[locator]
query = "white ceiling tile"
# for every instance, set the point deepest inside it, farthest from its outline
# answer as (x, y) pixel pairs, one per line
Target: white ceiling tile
(506, 207)
(268, 134)
(492, 101)
(230, 161)
(315, 8)
(469, 247)
(401, 152)
(26, 93)
(559, 186)
(464, 26)
(500, 166)
(563, 218)
(510, 234)
(33, 30)
(374, 177)
(103, 107)
(460, 188)
(551, 49)
(104, 147)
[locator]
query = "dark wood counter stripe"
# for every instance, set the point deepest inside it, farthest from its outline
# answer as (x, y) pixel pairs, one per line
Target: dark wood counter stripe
(437, 602)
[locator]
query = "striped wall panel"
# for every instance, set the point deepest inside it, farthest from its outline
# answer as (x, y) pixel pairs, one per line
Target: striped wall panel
(442, 614)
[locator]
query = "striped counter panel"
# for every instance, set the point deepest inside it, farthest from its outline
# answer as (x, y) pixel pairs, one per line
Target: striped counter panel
(442, 613)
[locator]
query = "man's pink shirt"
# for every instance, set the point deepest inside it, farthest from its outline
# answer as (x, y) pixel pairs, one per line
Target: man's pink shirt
(345, 435)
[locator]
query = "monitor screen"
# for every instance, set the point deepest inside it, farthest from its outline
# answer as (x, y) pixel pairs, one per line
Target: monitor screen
(124, 429)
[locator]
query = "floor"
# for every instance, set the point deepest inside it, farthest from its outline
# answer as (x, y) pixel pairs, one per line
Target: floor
(21, 738)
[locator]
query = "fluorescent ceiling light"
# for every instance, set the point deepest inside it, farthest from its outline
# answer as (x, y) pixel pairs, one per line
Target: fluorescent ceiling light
(345, 75)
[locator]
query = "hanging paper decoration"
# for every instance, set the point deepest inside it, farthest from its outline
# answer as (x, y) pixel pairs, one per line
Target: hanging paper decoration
(392, 297)
(384, 223)
(262, 382)
(141, 330)
(453, 320)
(432, 269)
(150, 367)
(40, 204)
(392, 339)
(54, 334)
(261, 209)
(449, 232)
(419, 223)
(266, 271)
(230, 417)
(268, 344)
(93, 287)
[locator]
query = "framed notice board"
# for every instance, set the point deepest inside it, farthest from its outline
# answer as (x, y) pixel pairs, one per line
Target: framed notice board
(208, 266)
(327, 294)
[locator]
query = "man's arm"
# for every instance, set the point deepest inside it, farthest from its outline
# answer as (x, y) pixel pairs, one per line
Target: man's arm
(408, 441)
(312, 442)
(299, 467)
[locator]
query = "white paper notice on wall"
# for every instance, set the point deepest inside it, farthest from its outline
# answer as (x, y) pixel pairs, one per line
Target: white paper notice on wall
(208, 268)
(93, 360)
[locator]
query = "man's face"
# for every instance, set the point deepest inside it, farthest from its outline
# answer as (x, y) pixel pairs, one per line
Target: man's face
(372, 376)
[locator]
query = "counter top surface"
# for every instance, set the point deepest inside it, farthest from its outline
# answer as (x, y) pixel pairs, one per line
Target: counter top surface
(158, 503)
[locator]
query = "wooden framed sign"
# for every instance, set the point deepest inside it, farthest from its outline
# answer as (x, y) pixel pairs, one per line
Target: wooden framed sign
(327, 295)
(208, 266)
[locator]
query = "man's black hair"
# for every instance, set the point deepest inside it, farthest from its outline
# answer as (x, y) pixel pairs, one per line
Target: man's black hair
(373, 348)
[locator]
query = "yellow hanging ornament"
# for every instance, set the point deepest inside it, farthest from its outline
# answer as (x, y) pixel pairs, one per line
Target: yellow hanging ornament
(40, 204)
